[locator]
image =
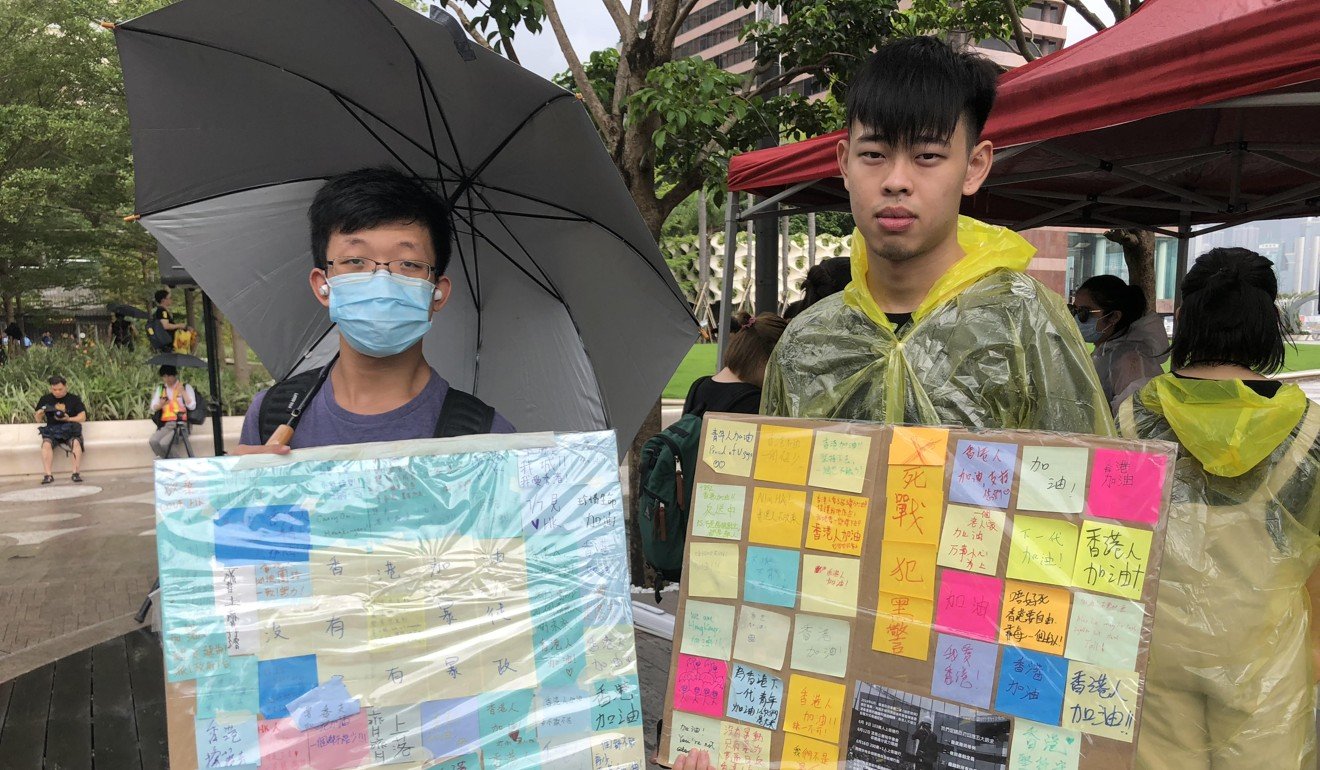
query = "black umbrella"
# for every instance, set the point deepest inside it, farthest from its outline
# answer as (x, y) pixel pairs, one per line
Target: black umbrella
(176, 360)
(128, 311)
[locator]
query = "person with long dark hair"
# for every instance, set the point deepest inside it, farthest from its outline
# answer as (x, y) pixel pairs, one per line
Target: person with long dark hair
(1131, 345)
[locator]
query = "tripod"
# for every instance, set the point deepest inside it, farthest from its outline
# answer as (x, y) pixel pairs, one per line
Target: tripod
(180, 436)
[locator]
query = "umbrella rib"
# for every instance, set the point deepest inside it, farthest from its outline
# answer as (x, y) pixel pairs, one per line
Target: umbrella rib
(507, 229)
(430, 130)
(469, 181)
(375, 136)
(547, 289)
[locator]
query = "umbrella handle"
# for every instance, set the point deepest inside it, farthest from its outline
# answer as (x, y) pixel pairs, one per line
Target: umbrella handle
(281, 437)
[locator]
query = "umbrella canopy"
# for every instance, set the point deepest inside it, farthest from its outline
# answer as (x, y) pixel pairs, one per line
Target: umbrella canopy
(128, 311)
(176, 360)
(564, 314)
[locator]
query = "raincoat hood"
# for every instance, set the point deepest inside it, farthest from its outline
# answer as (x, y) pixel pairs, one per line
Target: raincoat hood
(1225, 425)
(1147, 336)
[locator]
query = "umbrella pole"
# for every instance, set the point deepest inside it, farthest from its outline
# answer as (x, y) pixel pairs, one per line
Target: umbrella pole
(730, 263)
(213, 369)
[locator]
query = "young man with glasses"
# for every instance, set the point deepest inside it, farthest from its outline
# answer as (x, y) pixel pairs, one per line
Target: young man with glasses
(380, 244)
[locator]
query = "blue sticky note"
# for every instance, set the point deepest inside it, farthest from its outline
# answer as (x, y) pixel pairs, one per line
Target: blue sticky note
(755, 696)
(450, 727)
(235, 692)
(561, 712)
(336, 520)
(279, 533)
(328, 703)
(228, 743)
(964, 670)
(983, 473)
(1031, 685)
(557, 641)
(771, 576)
(616, 703)
(282, 680)
(464, 762)
(508, 725)
(196, 655)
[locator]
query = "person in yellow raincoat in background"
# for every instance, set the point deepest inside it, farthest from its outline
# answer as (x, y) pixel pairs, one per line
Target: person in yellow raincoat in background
(1231, 677)
(939, 324)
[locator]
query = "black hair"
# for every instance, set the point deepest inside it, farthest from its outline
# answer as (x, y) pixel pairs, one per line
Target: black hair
(916, 89)
(828, 277)
(1113, 293)
(162, 294)
(371, 197)
(55, 379)
(165, 369)
(1228, 315)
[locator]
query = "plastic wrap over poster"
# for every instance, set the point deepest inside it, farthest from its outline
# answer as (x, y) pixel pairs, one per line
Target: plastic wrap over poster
(459, 604)
(867, 597)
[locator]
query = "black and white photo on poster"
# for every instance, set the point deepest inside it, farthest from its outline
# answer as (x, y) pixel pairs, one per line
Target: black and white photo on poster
(896, 730)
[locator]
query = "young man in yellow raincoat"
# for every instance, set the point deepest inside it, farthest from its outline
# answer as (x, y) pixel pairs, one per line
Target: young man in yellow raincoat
(939, 324)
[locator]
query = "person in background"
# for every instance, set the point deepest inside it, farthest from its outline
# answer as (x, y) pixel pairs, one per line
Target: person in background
(824, 279)
(1231, 679)
(64, 414)
(1131, 345)
(121, 332)
(164, 318)
(47, 340)
(737, 387)
(172, 399)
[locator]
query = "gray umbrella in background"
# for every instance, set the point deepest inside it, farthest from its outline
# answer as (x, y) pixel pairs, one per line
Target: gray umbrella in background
(564, 316)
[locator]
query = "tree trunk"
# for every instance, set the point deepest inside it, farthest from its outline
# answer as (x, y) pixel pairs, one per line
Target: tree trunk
(636, 564)
(1139, 254)
(242, 369)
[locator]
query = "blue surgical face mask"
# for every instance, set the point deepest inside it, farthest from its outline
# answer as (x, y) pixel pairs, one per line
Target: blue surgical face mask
(1091, 328)
(381, 314)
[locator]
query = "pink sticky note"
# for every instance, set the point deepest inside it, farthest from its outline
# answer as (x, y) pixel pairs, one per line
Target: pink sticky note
(699, 685)
(1126, 485)
(283, 746)
(339, 745)
(969, 604)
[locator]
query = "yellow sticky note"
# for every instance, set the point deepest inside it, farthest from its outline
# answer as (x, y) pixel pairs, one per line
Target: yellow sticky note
(971, 539)
(829, 584)
(712, 570)
(839, 461)
(902, 626)
(808, 754)
(1112, 559)
(291, 630)
(729, 446)
(743, 747)
(1042, 550)
(761, 637)
(783, 454)
(339, 571)
(777, 516)
(908, 569)
(1035, 616)
(837, 522)
(690, 732)
(1101, 701)
(813, 708)
(914, 503)
(506, 661)
(397, 631)
(918, 446)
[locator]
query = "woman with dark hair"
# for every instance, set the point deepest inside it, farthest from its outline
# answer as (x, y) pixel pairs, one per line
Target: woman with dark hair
(1131, 345)
(1231, 677)
(822, 280)
(737, 387)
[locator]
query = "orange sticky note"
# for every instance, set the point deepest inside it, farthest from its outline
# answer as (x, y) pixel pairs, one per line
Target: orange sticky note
(837, 523)
(813, 708)
(808, 754)
(902, 626)
(840, 461)
(783, 454)
(777, 516)
(1035, 616)
(908, 569)
(918, 446)
(914, 501)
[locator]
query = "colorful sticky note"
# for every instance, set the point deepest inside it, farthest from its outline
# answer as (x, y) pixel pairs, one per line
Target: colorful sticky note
(1105, 631)
(1035, 617)
(777, 516)
(743, 747)
(908, 569)
(266, 533)
(783, 454)
(325, 703)
(1101, 701)
(281, 680)
(707, 629)
(820, 645)
(228, 742)
(969, 604)
(837, 523)
(964, 670)
(761, 637)
(1036, 746)
(339, 745)
(1127, 485)
(902, 626)
(914, 501)
(814, 708)
(971, 539)
(712, 570)
(1053, 479)
(755, 696)
(562, 712)
(450, 727)
(918, 446)
(1112, 559)
(613, 748)
(839, 461)
(1031, 685)
(983, 473)
(1042, 550)
(692, 732)
(829, 584)
(616, 703)
(729, 446)
(717, 511)
(283, 746)
(699, 685)
(234, 693)
(802, 753)
(772, 576)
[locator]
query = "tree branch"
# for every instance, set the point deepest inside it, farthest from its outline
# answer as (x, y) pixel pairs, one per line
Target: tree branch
(1080, 7)
(1019, 36)
(622, 18)
(786, 77)
(684, 11)
(635, 13)
(588, 94)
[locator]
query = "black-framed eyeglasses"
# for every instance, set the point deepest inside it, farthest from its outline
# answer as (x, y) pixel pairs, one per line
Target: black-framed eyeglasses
(408, 268)
(1084, 313)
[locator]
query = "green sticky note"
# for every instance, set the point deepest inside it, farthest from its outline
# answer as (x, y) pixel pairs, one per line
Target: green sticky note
(717, 511)
(820, 645)
(707, 629)
(1053, 479)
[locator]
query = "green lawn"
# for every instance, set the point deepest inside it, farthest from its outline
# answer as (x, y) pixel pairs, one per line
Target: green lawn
(1304, 358)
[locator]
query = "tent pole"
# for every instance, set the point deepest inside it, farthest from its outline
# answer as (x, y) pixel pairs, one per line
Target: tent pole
(811, 240)
(213, 369)
(730, 264)
(785, 246)
(1184, 244)
(703, 244)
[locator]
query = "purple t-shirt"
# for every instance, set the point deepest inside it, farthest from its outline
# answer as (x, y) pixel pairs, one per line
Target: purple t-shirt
(325, 422)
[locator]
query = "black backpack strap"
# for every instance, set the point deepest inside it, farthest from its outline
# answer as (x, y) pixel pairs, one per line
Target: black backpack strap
(463, 414)
(279, 403)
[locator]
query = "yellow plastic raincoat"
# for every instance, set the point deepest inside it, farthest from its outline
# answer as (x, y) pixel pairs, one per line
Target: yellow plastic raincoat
(1230, 680)
(990, 347)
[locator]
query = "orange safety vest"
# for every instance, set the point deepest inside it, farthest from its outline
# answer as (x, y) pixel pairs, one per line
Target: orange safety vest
(174, 404)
